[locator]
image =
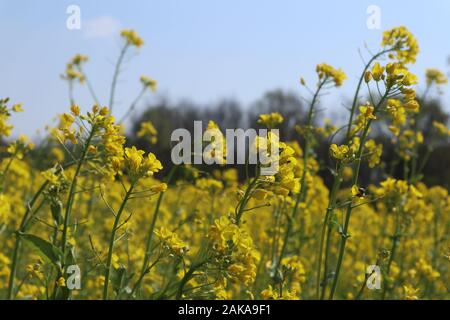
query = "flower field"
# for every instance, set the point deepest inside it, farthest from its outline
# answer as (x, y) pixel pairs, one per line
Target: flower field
(84, 214)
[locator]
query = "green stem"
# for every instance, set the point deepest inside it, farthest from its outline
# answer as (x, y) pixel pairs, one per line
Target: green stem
(71, 98)
(358, 88)
(5, 172)
(436, 238)
(302, 194)
(72, 190)
(17, 243)
(22, 228)
(112, 241)
(133, 105)
(395, 240)
(364, 284)
(425, 159)
(187, 277)
(330, 208)
(244, 200)
(344, 235)
(327, 255)
(116, 75)
(70, 201)
(90, 87)
(148, 251)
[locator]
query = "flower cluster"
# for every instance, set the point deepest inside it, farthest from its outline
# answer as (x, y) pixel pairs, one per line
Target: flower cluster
(148, 131)
(171, 241)
(234, 250)
(403, 43)
(139, 166)
(132, 38)
(326, 71)
(5, 114)
(271, 120)
(435, 76)
(74, 69)
(149, 83)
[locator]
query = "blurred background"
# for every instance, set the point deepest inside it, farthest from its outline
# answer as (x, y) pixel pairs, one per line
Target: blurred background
(227, 61)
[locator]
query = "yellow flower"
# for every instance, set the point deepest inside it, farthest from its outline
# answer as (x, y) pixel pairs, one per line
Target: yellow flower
(92, 149)
(347, 174)
(442, 128)
(171, 241)
(149, 83)
(115, 261)
(410, 292)
(395, 130)
(302, 81)
(412, 105)
(259, 194)
(269, 293)
(403, 43)
(57, 154)
(135, 159)
(377, 71)
(75, 110)
(271, 120)
(104, 111)
(409, 79)
(5, 128)
(73, 72)
(374, 152)
(132, 38)
(339, 152)
(357, 192)
(435, 76)
(159, 188)
(148, 131)
(61, 282)
(66, 121)
(368, 112)
(367, 76)
(236, 268)
(209, 184)
(17, 107)
(95, 108)
(5, 207)
(337, 75)
(50, 176)
(79, 59)
(151, 165)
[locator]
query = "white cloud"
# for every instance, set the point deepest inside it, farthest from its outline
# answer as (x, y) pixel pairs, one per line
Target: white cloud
(101, 27)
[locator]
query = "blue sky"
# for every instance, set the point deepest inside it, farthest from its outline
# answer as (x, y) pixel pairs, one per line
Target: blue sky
(199, 49)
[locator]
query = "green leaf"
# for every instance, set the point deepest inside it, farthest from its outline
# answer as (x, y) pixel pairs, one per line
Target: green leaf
(70, 258)
(56, 208)
(47, 250)
(118, 278)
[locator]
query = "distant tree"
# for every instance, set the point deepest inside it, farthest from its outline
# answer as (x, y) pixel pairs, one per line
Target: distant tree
(288, 104)
(229, 114)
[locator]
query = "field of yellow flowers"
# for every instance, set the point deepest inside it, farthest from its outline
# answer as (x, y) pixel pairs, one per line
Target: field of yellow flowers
(88, 219)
